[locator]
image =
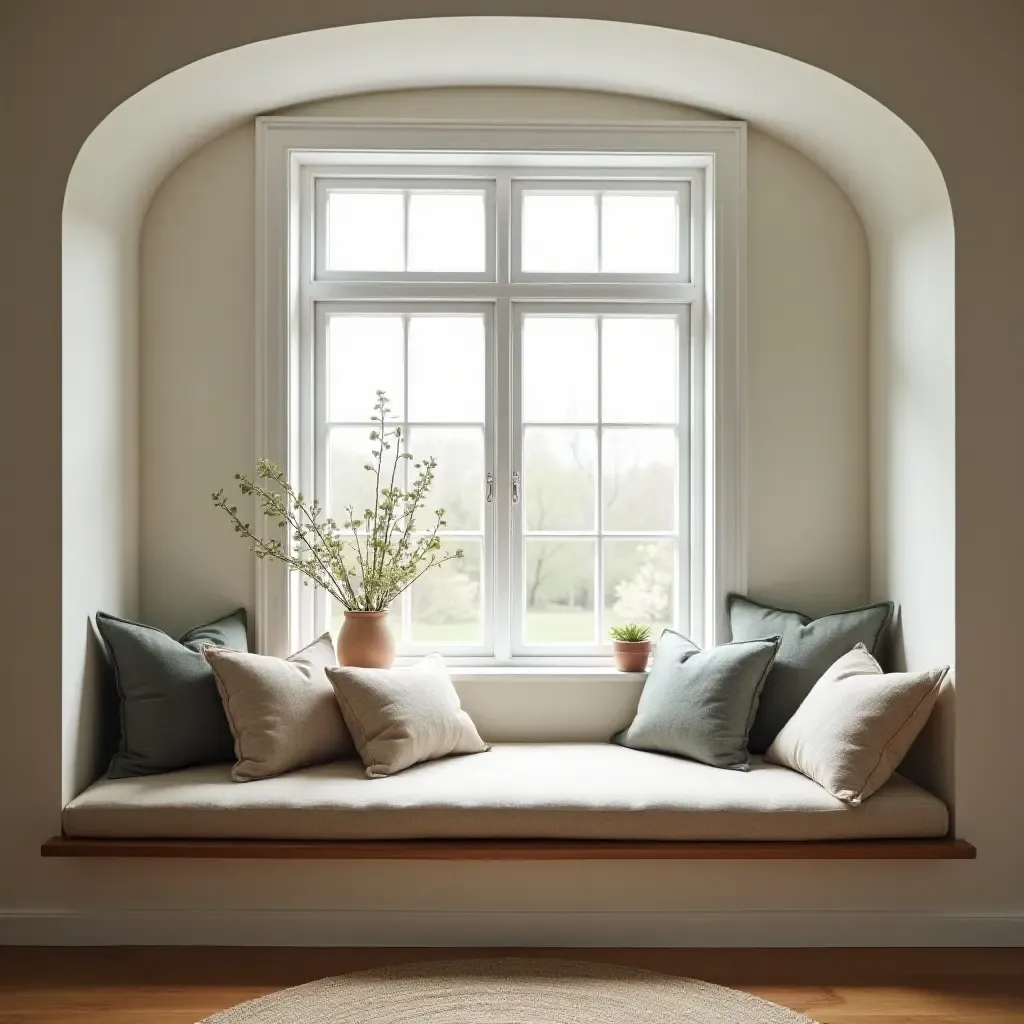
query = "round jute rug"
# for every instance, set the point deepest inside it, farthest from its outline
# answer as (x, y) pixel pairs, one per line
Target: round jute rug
(508, 991)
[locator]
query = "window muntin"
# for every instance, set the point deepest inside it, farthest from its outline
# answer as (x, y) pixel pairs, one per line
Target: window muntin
(605, 562)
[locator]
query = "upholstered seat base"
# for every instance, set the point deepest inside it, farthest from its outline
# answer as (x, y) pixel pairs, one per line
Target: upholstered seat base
(558, 791)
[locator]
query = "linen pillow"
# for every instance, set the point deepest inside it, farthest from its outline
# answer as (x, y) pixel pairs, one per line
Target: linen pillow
(401, 716)
(808, 647)
(171, 714)
(282, 713)
(856, 725)
(701, 704)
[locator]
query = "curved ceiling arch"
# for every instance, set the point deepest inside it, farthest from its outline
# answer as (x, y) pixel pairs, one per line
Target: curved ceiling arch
(831, 121)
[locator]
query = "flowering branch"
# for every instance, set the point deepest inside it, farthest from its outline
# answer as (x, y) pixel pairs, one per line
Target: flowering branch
(365, 562)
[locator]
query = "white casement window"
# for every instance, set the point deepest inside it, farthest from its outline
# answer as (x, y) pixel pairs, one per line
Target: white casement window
(556, 317)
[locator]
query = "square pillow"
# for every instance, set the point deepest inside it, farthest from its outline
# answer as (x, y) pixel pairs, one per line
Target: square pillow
(701, 704)
(856, 725)
(401, 716)
(282, 713)
(171, 714)
(808, 647)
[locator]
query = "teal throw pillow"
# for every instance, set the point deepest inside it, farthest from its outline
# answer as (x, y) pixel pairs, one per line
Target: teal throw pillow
(701, 704)
(171, 713)
(809, 647)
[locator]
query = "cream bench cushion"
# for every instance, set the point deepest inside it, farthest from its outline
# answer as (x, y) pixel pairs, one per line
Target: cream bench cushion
(517, 790)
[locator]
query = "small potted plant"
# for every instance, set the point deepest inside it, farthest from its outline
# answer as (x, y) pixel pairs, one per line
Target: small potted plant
(632, 646)
(367, 560)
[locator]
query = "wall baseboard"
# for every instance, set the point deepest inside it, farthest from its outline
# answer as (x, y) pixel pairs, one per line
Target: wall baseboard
(319, 927)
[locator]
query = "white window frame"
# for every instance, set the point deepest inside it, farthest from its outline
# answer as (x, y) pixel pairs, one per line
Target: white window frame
(290, 155)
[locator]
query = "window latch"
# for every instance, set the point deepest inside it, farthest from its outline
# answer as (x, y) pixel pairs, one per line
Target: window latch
(515, 487)
(490, 487)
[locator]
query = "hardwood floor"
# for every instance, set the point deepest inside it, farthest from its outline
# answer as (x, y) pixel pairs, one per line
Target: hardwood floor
(181, 985)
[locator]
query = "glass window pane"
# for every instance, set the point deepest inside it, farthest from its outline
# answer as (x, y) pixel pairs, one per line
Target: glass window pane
(560, 592)
(639, 583)
(559, 233)
(560, 478)
(365, 231)
(447, 232)
(364, 354)
(446, 369)
(559, 369)
(639, 479)
(447, 608)
(638, 380)
(459, 478)
(348, 482)
(639, 234)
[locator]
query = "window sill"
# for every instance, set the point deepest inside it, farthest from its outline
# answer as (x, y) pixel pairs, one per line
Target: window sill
(542, 674)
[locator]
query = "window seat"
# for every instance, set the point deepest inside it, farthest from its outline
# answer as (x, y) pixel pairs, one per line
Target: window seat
(541, 796)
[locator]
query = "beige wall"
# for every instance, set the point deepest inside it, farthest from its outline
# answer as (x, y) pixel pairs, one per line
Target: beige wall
(952, 72)
(808, 346)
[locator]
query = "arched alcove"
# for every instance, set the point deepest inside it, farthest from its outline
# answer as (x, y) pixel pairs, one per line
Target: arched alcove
(901, 199)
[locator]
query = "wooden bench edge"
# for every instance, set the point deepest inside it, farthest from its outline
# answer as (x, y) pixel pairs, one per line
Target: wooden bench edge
(509, 849)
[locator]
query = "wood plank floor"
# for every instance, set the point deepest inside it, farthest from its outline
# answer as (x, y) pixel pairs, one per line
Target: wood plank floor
(181, 985)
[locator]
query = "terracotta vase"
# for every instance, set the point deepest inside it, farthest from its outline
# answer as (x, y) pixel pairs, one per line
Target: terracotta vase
(365, 640)
(631, 655)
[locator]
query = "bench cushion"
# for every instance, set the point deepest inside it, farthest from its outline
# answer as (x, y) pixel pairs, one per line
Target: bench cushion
(517, 790)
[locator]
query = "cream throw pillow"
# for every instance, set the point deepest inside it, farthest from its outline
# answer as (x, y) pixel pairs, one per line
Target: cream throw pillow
(282, 713)
(856, 725)
(401, 716)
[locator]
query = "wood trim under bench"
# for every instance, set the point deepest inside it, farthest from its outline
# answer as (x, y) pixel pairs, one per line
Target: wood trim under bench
(509, 849)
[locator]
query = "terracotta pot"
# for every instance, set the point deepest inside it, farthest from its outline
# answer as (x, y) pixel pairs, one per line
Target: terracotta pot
(365, 640)
(631, 655)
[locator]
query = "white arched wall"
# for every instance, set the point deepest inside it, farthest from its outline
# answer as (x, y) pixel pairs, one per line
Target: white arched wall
(903, 203)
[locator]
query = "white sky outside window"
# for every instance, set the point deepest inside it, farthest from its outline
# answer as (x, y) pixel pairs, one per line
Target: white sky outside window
(447, 232)
(364, 354)
(559, 233)
(639, 234)
(446, 369)
(366, 231)
(559, 369)
(639, 372)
